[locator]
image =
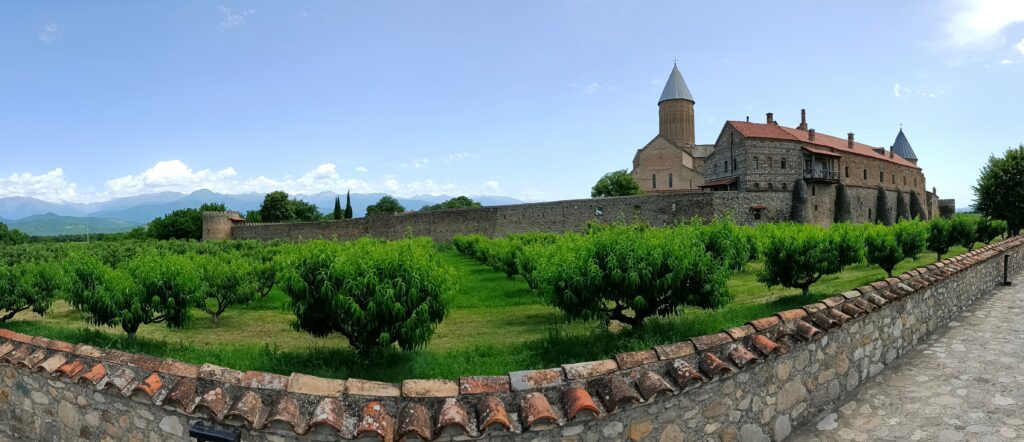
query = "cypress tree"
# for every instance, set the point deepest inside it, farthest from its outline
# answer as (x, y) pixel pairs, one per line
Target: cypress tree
(843, 212)
(902, 211)
(337, 208)
(883, 214)
(798, 212)
(916, 211)
(348, 204)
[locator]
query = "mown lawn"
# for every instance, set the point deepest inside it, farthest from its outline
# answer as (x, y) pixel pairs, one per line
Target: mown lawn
(495, 325)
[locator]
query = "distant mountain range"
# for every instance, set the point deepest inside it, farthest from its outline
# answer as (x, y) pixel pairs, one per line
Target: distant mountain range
(43, 218)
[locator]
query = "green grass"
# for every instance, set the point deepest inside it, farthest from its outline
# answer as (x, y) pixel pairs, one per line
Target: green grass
(495, 325)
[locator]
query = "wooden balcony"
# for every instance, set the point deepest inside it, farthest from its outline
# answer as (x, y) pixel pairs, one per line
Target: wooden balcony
(821, 175)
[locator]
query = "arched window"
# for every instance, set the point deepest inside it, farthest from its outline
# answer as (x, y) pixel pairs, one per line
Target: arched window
(783, 163)
(670, 181)
(783, 186)
(865, 174)
(757, 185)
(654, 181)
(769, 186)
(881, 177)
(847, 171)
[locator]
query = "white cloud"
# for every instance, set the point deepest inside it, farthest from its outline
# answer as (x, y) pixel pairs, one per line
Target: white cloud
(416, 164)
(1006, 62)
(1020, 46)
(981, 22)
(230, 19)
(896, 88)
(50, 186)
(904, 92)
(51, 32)
(361, 169)
(593, 88)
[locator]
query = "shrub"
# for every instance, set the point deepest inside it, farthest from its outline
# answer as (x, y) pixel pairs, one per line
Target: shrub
(844, 213)
(628, 273)
(617, 183)
(882, 248)
(882, 213)
(964, 229)
(940, 236)
(386, 205)
(28, 286)
(912, 236)
(726, 241)
(798, 211)
(372, 292)
(10, 236)
(228, 280)
(797, 255)
(989, 229)
(902, 210)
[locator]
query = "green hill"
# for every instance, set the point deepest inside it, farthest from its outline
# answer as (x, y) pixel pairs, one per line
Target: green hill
(54, 225)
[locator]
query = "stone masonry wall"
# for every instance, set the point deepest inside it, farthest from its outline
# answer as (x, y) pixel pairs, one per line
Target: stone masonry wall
(755, 382)
(559, 216)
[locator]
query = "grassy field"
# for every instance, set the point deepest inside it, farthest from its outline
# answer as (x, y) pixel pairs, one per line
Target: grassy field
(494, 325)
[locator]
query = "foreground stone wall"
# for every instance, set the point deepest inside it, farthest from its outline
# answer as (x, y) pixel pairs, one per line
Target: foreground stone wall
(751, 383)
(559, 216)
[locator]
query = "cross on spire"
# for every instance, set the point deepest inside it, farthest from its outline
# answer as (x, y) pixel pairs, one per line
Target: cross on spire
(675, 60)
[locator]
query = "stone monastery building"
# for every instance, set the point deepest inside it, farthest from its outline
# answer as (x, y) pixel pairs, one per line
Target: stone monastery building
(768, 157)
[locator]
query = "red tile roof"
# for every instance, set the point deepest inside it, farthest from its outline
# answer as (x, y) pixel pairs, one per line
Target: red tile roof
(839, 145)
(827, 153)
(719, 182)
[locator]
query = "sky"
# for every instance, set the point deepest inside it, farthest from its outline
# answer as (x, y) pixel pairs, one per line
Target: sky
(530, 99)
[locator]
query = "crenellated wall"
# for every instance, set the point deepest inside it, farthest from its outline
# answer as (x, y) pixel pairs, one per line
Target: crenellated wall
(754, 382)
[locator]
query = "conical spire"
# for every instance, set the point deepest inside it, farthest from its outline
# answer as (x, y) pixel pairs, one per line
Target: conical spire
(675, 88)
(902, 147)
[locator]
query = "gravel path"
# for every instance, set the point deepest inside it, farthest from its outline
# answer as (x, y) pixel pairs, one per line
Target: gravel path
(965, 383)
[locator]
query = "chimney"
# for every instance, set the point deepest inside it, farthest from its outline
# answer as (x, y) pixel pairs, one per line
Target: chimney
(890, 153)
(803, 120)
(810, 135)
(771, 118)
(849, 140)
(748, 118)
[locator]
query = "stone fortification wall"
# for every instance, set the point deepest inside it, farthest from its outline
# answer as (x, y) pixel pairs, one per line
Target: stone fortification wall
(751, 383)
(558, 216)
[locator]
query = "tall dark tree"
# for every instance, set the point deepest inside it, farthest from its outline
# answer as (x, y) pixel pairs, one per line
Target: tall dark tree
(882, 213)
(798, 211)
(916, 209)
(902, 211)
(337, 208)
(843, 212)
(348, 205)
(1000, 190)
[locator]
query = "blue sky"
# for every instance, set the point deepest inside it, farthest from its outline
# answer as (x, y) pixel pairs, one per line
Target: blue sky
(531, 99)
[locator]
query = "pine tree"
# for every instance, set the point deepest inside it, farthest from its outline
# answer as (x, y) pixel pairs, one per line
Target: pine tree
(348, 204)
(798, 213)
(337, 208)
(916, 211)
(902, 211)
(843, 212)
(882, 213)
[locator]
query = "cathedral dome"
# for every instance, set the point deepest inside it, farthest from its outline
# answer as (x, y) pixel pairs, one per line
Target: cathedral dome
(675, 88)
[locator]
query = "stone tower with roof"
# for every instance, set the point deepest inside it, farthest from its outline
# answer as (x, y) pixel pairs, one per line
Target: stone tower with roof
(672, 161)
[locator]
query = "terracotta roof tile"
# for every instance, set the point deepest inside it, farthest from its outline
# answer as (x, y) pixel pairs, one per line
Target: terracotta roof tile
(576, 400)
(536, 409)
(216, 401)
(852, 310)
(250, 409)
(491, 411)
(684, 373)
(875, 299)
(712, 366)
(287, 410)
(651, 384)
(429, 388)
(15, 336)
(149, 386)
(821, 320)
(531, 379)
(764, 345)
(88, 351)
(414, 419)
(306, 384)
(70, 369)
(839, 316)
(816, 307)
(805, 330)
(178, 368)
(329, 411)
(34, 359)
(18, 355)
(360, 387)
(615, 391)
(737, 333)
(6, 348)
(483, 384)
(60, 346)
(851, 294)
(220, 374)
(184, 393)
(636, 358)
(863, 304)
(705, 342)
(764, 323)
(453, 414)
(676, 350)
(264, 381)
(741, 356)
(834, 301)
(792, 315)
(375, 419)
(590, 369)
(95, 374)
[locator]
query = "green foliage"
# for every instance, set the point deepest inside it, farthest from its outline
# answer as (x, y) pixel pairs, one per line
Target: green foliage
(373, 293)
(387, 204)
(989, 229)
(964, 230)
(348, 205)
(728, 243)
(459, 202)
(304, 211)
(29, 285)
(10, 236)
(912, 236)
(797, 255)
(617, 183)
(882, 213)
(182, 223)
(228, 280)
(882, 248)
(798, 210)
(916, 209)
(628, 273)
(999, 192)
(253, 216)
(902, 210)
(940, 236)
(844, 213)
(275, 208)
(338, 213)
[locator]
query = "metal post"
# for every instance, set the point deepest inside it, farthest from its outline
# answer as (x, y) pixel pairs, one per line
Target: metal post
(1006, 270)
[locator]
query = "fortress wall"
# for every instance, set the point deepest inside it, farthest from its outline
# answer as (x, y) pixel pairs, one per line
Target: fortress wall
(758, 381)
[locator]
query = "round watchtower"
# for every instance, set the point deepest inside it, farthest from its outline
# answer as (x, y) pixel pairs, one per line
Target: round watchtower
(217, 225)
